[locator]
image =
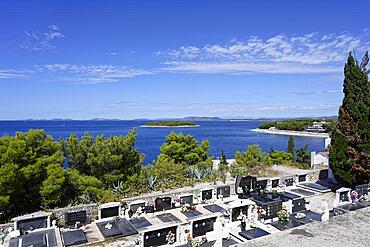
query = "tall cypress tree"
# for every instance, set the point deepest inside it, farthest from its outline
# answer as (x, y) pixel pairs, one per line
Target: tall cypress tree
(349, 152)
(291, 145)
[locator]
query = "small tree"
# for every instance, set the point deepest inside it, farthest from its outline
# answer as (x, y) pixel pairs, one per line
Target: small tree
(291, 146)
(223, 167)
(302, 155)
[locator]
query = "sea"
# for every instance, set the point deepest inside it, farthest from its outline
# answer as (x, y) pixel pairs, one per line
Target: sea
(227, 135)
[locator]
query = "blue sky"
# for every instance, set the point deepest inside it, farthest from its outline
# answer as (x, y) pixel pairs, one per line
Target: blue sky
(154, 59)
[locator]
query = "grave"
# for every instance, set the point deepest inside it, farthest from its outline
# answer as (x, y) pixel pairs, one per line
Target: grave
(168, 217)
(275, 183)
(261, 185)
(315, 187)
(72, 218)
(116, 227)
(109, 210)
(223, 191)
(271, 203)
(214, 208)
(302, 178)
(235, 212)
(29, 222)
(244, 186)
(41, 238)
(159, 237)
(207, 194)
(192, 213)
(324, 174)
(186, 200)
(163, 203)
(137, 204)
(253, 233)
(342, 195)
(303, 192)
(140, 223)
(74, 237)
(289, 181)
(352, 206)
(362, 189)
(201, 227)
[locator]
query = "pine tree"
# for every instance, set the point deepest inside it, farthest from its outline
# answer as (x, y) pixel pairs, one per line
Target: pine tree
(291, 145)
(349, 152)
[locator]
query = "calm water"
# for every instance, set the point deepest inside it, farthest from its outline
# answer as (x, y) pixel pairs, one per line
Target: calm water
(230, 136)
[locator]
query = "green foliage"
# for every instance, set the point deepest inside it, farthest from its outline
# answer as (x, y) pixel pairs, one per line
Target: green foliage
(110, 159)
(291, 146)
(253, 157)
(349, 153)
(52, 187)
(302, 155)
(296, 124)
(170, 123)
(280, 157)
(223, 167)
(184, 149)
(24, 159)
(169, 174)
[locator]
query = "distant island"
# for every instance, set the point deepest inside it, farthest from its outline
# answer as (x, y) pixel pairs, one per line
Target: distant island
(171, 124)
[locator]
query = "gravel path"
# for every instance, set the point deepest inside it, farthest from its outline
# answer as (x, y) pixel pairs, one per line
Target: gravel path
(347, 230)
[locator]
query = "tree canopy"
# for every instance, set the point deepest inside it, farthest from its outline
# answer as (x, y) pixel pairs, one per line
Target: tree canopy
(350, 145)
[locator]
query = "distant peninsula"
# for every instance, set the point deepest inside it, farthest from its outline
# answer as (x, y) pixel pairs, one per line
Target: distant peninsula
(178, 124)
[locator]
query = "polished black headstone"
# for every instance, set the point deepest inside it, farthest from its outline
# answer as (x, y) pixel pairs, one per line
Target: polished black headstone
(290, 223)
(192, 213)
(206, 195)
(301, 178)
(235, 212)
(135, 206)
(298, 205)
(163, 203)
(275, 183)
(140, 223)
(253, 233)
(261, 184)
(352, 206)
(214, 208)
(158, 237)
(186, 200)
(224, 191)
(73, 217)
(116, 227)
(315, 186)
(289, 181)
(167, 217)
(362, 189)
(39, 239)
(303, 192)
(201, 227)
(75, 237)
(32, 224)
(109, 212)
(324, 174)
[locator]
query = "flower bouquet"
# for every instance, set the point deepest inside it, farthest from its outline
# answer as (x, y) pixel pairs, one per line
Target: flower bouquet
(354, 195)
(283, 215)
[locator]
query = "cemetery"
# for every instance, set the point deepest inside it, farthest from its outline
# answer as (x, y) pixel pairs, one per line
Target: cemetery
(217, 214)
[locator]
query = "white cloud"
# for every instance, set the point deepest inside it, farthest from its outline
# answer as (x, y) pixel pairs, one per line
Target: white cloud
(308, 53)
(89, 74)
(315, 92)
(241, 68)
(37, 40)
(12, 74)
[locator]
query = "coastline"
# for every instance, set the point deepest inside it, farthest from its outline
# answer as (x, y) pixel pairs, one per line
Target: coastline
(292, 133)
(162, 126)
